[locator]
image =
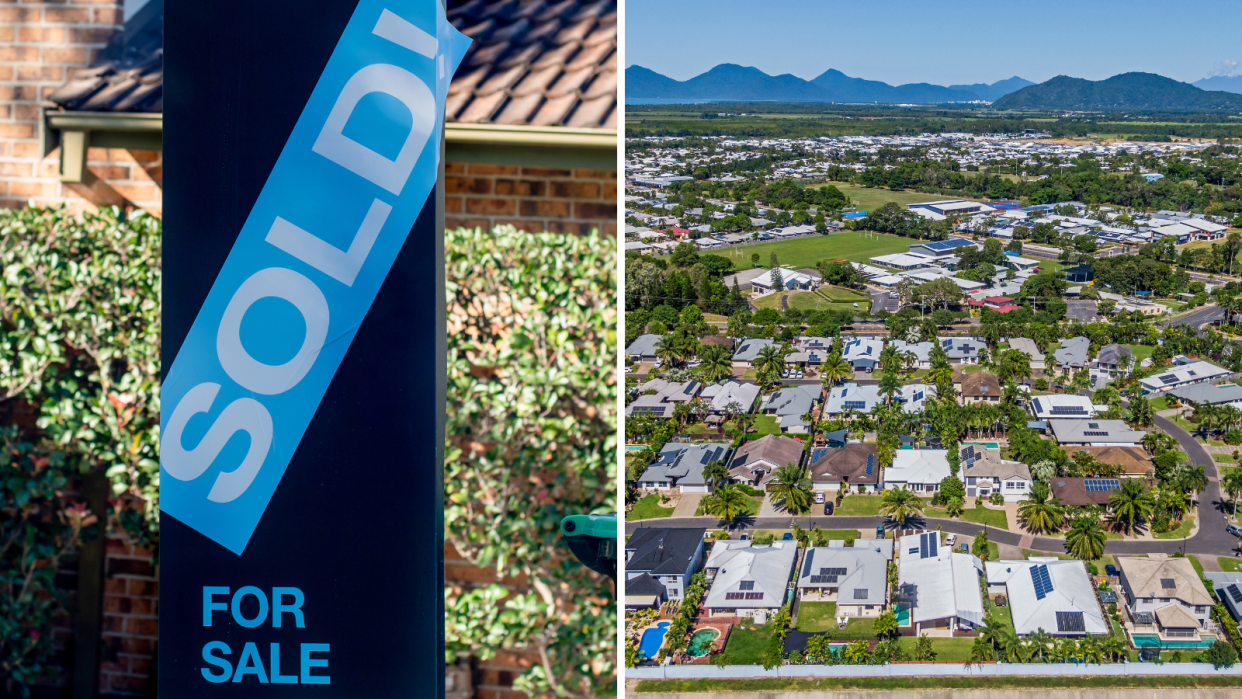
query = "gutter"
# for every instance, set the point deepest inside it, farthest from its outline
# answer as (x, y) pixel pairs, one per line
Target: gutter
(543, 146)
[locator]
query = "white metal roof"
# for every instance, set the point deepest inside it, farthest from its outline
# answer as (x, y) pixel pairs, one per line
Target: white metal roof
(1071, 592)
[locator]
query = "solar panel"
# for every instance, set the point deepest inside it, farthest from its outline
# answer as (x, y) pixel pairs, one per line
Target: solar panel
(922, 546)
(754, 595)
(1235, 593)
(1068, 410)
(855, 405)
(1100, 485)
(1168, 583)
(918, 396)
(1089, 433)
(1070, 622)
(734, 595)
(1093, 425)
(1041, 581)
(914, 549)
(1167, 378)
(870, 464)
(860, 593)
(1191, 372)
(746, 585)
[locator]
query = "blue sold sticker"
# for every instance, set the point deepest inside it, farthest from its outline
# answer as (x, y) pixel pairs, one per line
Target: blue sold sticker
(321, 238)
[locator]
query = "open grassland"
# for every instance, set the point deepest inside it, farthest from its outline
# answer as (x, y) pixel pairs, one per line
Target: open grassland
(807, 253)
(872, 198)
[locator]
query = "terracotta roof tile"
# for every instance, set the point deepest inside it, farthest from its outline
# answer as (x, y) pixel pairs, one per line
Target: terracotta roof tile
(591, 112)
(520, 109)
(482, 108)
(501, 81)
(605, 84)
(555, 111)
(537, 81)
(572, 82)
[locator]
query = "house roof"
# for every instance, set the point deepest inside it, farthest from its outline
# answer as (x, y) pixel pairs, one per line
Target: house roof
(748, 350)
(1208, 393)
(851, 396)
(1087, 431)
(1034, 608)
(859, 574)
(1062, 406)
(1076, 493)
(766, 569)
(1134, 461)
(940, 585)
(918, 466)
(793, 402)
(1163, 577)
(643, 345)
(643, 585)
(540, 63)
(1073, 351)
(683, 463)
(986, 463)
(961, 347)
(726, 342)
(662, 551)
(1023, 344)
(1111, 354)
(1185, 373)
(978, 385)
(774, 450)
(740, 396)
(834, 464)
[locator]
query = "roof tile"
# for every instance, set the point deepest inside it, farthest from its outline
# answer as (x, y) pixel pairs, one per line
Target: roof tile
(482, 108)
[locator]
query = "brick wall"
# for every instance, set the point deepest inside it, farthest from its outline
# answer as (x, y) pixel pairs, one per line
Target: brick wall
(40, 44)
(130, 621)
(530, 198)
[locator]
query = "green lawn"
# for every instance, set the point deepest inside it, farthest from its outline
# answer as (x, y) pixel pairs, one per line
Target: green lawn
(769, 301)
(938, 684)
(1229, 564)
(1141, 352)
(978, 515)
(841, 534)
(649, 508)
(1177, 532)
(811, 301)
(803, 253)
(764, 426)
(820, 616)
(860, 506)
(1225, 458)
(745, 645)
(872, 198)
(839, 293)
(946, 648)
(752, 508)
(1194, 562)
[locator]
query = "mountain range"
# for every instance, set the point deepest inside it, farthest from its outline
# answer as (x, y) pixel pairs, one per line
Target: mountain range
(741, 84)
(1137, 91)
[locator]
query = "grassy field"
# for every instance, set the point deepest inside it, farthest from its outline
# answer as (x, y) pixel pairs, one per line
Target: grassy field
(938, 684)
(1141, 352)
(649, 508)
(871, 198)
(860, 506)
(806, 253)
(1229, 564)
(745, 645)
(1177, 532)
(946, 648)
(821, 616)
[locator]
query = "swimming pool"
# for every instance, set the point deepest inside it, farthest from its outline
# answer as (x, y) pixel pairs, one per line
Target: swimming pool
(652, 639)
(701, 642)
(903, 615)
(989, 445)
(1152, 641)
(635, 447)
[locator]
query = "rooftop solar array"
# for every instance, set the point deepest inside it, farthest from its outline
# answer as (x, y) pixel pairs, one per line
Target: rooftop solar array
(743, 595)
(832, 571)
(1070, 622)
(1167, 379)
(1234, 593)
(1101, 484)
(1091, 433)
(1168, 583)
(870, 464)
(1043, 583)
(860, 593)
(746, 585)
(1068, 410)
(640, 409)
(928, 543)
(823, 579)
(854, 405)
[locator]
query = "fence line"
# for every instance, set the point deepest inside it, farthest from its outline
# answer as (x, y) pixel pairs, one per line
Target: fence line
(927, 669)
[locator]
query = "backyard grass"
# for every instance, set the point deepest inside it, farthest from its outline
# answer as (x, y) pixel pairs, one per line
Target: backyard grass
(1229, 564)
(821, 616)
(649, 508)
(938, 684)
(1177, 532)
(1141, 352)
(946, 648)
(745, 645)
(872, 198)
(811, 301)
(804, 253)
(860, 506)
(764, 426)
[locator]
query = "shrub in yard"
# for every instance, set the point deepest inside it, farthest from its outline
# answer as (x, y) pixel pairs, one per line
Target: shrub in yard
(1233, 437)
(997, 498)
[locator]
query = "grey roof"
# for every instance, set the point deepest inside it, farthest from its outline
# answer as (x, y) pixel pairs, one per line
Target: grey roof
(766, 568)
(1110, 355)
(643, 345)
(1027, 345)
(852, 393)
(1208, 393)
(1069, 591)
(961, 347)
(792, 403)
(741, 396)
(749, 349)
(865, 570)
(986, 463)
(769, 452)
(643, 584)
(682, 464)
(1104, 432)
(662, 551)
(921, 350)
(1073, 351)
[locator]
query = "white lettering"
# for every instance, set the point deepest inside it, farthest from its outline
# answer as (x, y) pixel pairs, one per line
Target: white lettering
(242, 415)
(342, 266)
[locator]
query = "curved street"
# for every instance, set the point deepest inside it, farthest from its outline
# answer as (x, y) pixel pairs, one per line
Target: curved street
(1210, 539)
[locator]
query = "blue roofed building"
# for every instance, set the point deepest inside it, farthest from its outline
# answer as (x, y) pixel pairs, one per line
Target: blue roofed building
(941, 248)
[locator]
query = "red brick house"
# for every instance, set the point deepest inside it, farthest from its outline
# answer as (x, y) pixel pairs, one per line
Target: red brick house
(531, 141)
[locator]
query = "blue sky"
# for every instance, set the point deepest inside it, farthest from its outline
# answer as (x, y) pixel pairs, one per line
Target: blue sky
(937, 41)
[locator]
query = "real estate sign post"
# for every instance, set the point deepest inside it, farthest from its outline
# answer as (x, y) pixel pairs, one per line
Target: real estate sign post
(303, 350)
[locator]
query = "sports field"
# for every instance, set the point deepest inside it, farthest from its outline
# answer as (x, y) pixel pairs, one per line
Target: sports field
(870, 198)
(806, 253)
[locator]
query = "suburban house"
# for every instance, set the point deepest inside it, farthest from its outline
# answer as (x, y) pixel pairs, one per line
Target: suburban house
(920, 350)
(1211, 394)
(940, 248)
(1183, 375)
(754, 462)
(853, 398)
(984, 473)
(790, 279)
(920, 470)
(852, 466)
(1050, 594)
(722, 340)
(1167, 602)
(914, 396)
(1061, 406)
(729, 397)
(1000, 304)
(862, 353)
(855, 578)
(979, 387)
(1135, 462)
(1081, 492)
(1094, 433)
(748, 580)
(962, 350)
(1073, 354)
(666, 396)
(1022, 264)
(659, 564)
(643, 348)
(680, 466)
(1031, 349)
(1228, 589)
(748, 350)
(790, 404)
(1111, 357)
(939, 587)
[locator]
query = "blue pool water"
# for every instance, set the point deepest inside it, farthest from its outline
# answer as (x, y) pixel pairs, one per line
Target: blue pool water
(635, 447)
(989, 445)
(652, 639)
(1152, 641)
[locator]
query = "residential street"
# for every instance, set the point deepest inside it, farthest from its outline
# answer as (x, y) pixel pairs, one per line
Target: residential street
(1207, 314)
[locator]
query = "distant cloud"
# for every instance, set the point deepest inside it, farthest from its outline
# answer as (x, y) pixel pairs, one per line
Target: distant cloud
(1224, 69)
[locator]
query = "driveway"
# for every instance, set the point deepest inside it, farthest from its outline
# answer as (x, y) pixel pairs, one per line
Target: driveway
(687, 505)
(881, 301)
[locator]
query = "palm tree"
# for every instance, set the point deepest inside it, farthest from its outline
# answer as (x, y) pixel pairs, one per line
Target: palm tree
(715, 472)
(744, 421)
(1131, 504)
(791, 486)
(900, 504)
(835, 369)
(727, 503)
(1141, 413)
(1041, 513)
(668, 348)
(1173, 503)
(885, 625)
(716, 363)
(1085, 538)
(1039, 641)
(1114, 647)
(1192, 479)
(770, 359)
(890, 386)
(1232, 484)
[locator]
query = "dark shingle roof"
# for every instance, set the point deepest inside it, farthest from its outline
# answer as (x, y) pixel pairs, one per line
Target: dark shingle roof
(663, 551)
(532, 62)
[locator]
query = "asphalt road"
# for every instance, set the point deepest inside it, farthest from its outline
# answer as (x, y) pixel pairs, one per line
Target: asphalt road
(880, 301)
(1211, 538)
(1207, 314)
